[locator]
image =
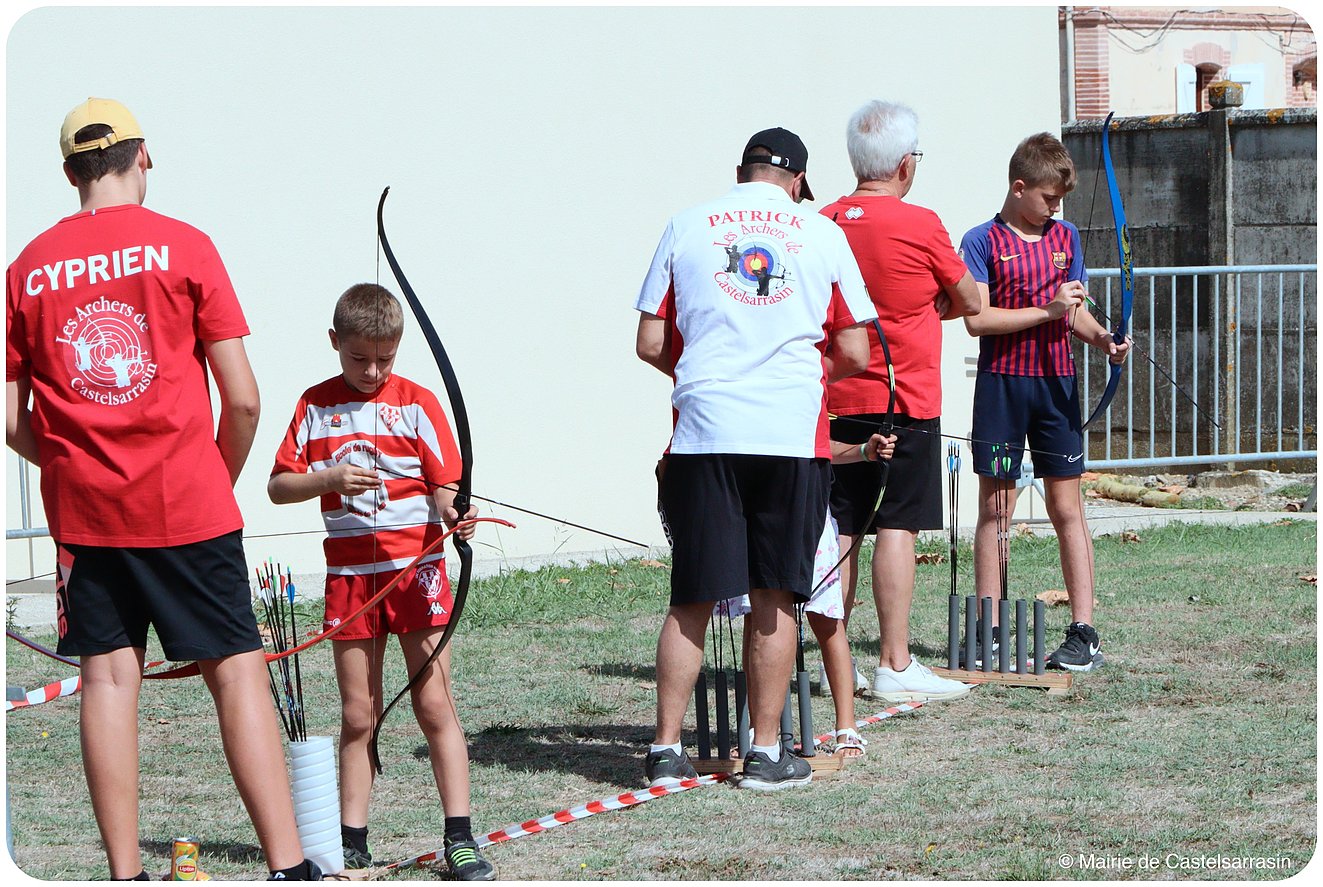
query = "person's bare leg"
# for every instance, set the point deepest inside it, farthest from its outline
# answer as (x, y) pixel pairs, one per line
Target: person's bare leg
(893, 594)
(358, 676)
(836, 660)
(250, 736)
(849, 571)
(108, 732)
(679, 658)
(434, 707)
(771, 660)
(1065, 506)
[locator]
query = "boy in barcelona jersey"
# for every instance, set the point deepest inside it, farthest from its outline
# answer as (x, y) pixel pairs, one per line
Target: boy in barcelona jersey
(1030, 274)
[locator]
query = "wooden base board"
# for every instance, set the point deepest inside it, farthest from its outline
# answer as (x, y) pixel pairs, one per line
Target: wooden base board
(821, 763)
(1056, 683)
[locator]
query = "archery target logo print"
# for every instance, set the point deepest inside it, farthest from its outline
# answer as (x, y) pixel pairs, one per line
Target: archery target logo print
(108, 352)
(756, 244)
(755, 272)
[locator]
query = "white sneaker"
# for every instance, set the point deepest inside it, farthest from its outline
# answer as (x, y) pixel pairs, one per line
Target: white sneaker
(860, 682)
(915, 684)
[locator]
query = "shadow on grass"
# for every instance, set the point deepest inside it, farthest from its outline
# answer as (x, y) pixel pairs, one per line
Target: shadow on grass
(237, 853)
(609, 754)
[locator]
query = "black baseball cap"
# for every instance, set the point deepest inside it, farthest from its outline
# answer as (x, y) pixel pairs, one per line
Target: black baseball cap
(787, 151)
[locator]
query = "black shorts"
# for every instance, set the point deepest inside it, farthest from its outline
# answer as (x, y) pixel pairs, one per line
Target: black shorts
(740, 522)
(913, 499)
(1045, 410)
(195, 595)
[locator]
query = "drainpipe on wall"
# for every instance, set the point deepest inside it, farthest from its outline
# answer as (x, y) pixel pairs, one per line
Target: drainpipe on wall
(1069, 85)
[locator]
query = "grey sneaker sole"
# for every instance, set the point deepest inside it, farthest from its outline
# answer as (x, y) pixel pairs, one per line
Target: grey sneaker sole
(759, 785)
(669, 781)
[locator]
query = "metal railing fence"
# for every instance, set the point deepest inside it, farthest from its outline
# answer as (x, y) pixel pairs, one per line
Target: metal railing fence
(1241, 342)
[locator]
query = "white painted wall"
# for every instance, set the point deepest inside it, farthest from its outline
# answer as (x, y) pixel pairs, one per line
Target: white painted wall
(534, 156)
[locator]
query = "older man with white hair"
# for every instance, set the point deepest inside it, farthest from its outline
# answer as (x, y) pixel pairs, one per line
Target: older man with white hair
(916, 280)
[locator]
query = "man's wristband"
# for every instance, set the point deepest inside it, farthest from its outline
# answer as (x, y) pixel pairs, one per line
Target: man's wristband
(863, 452)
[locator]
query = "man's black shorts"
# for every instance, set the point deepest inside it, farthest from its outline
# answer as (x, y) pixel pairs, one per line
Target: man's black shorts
(742, 522)
(195, 595)
(913, 500)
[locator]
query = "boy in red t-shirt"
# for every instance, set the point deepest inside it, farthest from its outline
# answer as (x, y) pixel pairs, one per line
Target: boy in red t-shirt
(113, 318)
(377, 450)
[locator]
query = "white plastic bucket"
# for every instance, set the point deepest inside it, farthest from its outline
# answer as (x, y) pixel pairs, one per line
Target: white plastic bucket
(317, 802)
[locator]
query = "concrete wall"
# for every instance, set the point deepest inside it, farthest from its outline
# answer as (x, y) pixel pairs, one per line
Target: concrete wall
(535, 155)
(1217, 188)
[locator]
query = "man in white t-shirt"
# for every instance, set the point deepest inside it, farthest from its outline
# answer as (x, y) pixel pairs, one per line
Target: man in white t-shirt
(752, 305)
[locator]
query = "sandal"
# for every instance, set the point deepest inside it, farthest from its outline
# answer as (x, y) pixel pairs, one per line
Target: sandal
(849, 744)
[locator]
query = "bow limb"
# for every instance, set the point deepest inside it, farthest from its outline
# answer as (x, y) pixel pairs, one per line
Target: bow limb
(462, 498)
(883, 465)
(1127, 271)
(45, 651)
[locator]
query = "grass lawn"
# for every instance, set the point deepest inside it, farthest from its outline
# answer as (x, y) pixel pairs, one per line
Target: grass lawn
(1198, 739)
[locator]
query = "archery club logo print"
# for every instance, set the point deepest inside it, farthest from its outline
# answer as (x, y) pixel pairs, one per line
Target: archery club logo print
(108, 352)
(428, 581)
(362, 454)
(755, 244)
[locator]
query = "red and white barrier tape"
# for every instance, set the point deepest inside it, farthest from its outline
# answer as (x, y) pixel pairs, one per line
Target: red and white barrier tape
(51, 692)
(629, 799)
(583, 811)
(66, 687)
(898, 709)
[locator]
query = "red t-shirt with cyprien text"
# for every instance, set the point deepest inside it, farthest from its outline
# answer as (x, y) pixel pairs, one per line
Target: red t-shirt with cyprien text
(906, 257)
(105, 314)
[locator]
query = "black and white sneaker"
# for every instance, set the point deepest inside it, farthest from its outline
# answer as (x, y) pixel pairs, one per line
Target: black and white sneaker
(665, 767)
(467, 864)
(763, 774)
(1080, 651)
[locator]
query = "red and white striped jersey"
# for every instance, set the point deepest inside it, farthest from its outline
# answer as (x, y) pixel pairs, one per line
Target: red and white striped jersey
(402, 433)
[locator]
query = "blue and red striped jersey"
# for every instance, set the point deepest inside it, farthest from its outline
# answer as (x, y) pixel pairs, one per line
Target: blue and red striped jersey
(1022, 274)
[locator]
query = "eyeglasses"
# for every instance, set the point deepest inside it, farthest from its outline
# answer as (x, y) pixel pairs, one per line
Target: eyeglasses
(917, 155)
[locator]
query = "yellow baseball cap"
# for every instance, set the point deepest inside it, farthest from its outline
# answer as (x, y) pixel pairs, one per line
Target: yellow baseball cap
(107, 112)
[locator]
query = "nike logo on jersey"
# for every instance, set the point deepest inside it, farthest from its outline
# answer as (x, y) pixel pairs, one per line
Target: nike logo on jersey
(1008, 258)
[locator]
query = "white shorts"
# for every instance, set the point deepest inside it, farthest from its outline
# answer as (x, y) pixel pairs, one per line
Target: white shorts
(827, 599)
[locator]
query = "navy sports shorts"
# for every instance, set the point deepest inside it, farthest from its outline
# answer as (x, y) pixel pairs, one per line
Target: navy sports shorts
(913, 498)
(1044, 410)
(742, 522)
(196, 596)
